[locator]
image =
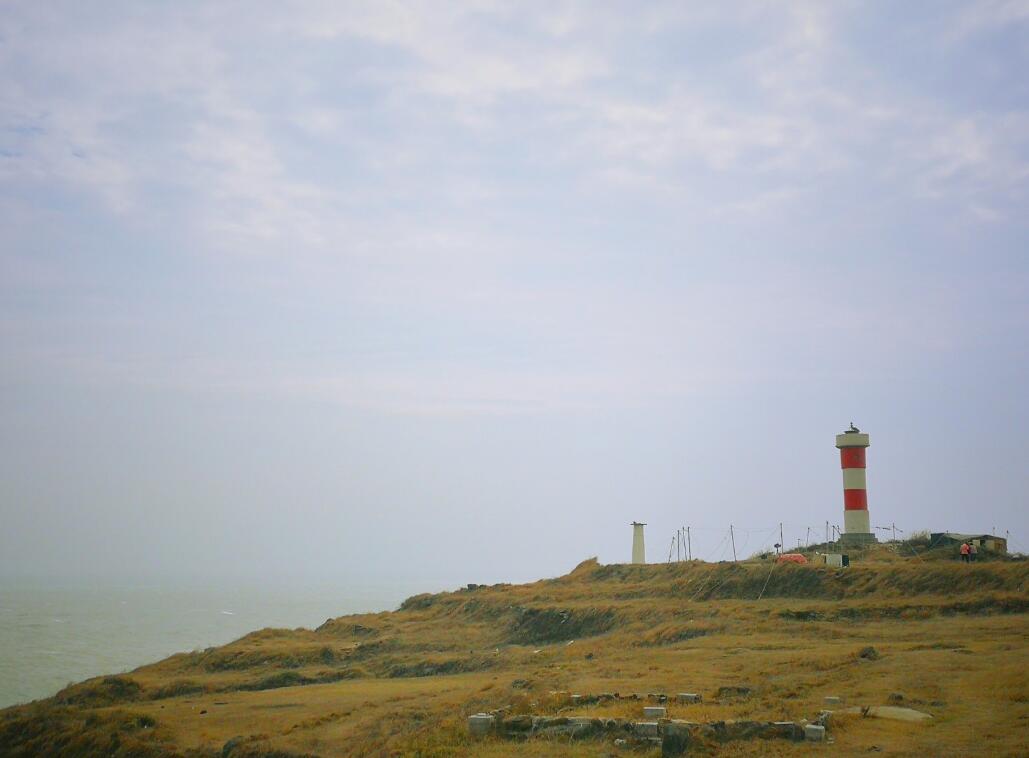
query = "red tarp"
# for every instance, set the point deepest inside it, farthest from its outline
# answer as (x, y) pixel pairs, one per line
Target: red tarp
(791, 558)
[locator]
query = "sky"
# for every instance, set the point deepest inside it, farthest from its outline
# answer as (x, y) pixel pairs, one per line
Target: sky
(453, 292)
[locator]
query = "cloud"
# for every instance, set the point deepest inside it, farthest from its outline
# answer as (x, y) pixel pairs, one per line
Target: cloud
(464, 179)
(791, 107)
(985, 16)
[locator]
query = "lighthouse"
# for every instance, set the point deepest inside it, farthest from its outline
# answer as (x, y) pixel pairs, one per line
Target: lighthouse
(856, 527)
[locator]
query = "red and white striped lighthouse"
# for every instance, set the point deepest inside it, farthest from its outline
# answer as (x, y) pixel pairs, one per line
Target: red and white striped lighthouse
(856, 527)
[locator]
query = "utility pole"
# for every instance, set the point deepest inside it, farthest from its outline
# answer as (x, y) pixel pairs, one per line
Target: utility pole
(807, 538)
(670, 549)
(733, 539)
(689, 543)
(827, 534)
(678, 546)
(782, 543)
(894, 526)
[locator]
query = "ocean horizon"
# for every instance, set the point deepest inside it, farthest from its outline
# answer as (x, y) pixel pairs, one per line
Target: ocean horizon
(55, 632)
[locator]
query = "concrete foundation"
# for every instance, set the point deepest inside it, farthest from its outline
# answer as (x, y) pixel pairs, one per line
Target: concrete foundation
(673, 736)
(857, 538)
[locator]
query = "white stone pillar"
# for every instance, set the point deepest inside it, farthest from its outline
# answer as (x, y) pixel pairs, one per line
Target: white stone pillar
(639, 553)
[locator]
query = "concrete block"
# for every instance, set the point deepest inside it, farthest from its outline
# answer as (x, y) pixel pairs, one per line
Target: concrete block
(646, 729)
(655, 711)
(833, 700)
(480, 724)
(689, 697)
(814, 733)
(585, 727)
(786, 730)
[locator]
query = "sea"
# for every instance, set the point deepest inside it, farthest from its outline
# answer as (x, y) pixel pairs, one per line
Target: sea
(53, 634)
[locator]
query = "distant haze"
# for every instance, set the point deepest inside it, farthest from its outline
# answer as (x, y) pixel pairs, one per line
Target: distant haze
(448, 292)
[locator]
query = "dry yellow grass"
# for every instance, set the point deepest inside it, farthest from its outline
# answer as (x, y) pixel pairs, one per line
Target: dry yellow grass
(952, 640)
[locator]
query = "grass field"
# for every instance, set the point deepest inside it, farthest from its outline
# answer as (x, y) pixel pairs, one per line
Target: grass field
(950, 639)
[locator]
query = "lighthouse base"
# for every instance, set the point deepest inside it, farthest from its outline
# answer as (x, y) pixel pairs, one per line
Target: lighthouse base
(857, 538)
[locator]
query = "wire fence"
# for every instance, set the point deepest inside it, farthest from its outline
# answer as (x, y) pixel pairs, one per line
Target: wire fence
(734, 542)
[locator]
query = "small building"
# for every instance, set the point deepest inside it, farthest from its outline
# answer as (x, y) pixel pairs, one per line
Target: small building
(982, 541)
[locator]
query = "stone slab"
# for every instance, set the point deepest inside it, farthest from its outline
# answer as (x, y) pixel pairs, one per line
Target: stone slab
(893, 713)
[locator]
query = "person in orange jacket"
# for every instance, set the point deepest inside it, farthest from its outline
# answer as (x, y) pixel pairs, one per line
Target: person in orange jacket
(965, 550)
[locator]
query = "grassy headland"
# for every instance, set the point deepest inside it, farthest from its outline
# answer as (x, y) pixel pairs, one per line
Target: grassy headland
(948, 638)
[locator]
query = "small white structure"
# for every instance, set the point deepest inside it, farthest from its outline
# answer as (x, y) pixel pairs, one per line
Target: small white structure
(639, 553)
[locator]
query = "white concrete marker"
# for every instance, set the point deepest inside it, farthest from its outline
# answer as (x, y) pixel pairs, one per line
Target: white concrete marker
(814, 733)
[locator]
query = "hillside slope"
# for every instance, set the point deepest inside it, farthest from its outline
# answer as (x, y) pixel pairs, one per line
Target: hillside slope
(948, 638)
